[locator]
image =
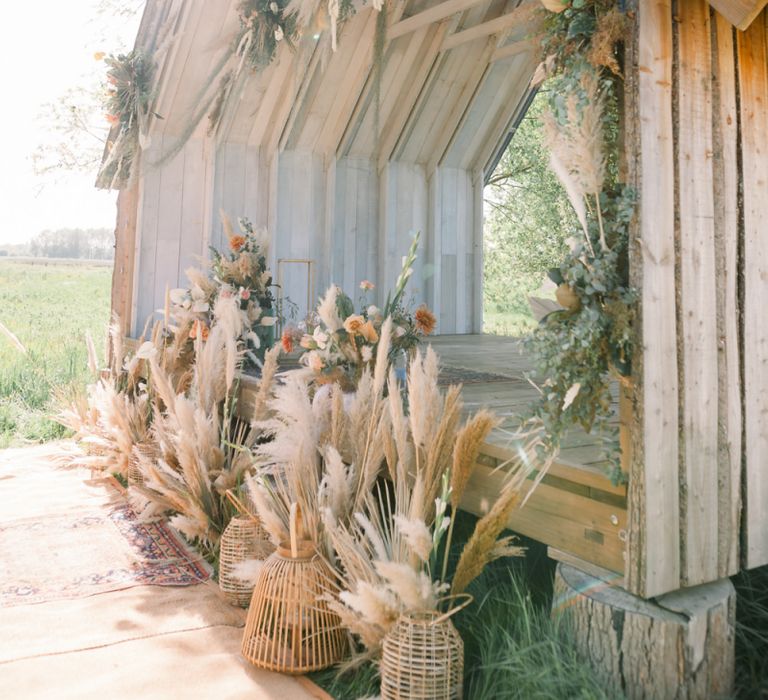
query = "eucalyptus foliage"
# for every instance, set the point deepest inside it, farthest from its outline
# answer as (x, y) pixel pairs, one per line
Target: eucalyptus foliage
(581, 348)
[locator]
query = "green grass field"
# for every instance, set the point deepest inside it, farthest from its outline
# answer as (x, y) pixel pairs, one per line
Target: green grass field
(49, 307)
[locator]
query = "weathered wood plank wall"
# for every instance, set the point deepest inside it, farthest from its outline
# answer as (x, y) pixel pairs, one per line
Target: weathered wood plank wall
(753, 83)
(296, 149)
(685, 147)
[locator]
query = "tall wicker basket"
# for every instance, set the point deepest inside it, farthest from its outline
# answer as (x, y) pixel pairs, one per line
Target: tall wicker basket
(290, 629)
(134, 476)
(242, 539)
(422, 659)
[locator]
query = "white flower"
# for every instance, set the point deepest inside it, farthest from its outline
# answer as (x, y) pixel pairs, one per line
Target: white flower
(373, 311)
(279, 33)
(268, 321)
(273, 7)
(197, 293)
(320, 337)
(147, 351)
(366, 353)
(177, 296)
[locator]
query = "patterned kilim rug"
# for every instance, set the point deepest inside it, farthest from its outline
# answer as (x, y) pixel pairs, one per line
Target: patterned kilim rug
(80, 554)
(461, 375)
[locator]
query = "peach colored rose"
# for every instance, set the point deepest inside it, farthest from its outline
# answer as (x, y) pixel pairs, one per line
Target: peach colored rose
(315, 362)
(369, 332)
(353, 324)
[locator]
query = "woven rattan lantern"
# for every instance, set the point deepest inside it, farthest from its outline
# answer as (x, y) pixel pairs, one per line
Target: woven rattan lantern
(290, 629)
(134, 476)
(422, 659)
(242, 539)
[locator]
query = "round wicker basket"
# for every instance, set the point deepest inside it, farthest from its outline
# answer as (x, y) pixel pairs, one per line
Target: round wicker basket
(290, 629)
(422, 659)
(241, 540)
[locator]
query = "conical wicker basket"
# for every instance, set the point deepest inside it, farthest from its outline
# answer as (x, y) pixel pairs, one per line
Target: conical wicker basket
(134, 475)
(422, 659)
(242, 539)
(289, 628)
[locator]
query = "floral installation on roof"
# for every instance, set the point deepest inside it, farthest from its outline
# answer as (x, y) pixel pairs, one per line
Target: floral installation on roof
(340, 342)
(579, 349)
(127, 98)
(242, 274)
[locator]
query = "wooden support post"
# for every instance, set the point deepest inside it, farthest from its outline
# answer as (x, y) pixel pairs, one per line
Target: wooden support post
(125, 255)
(680, 646)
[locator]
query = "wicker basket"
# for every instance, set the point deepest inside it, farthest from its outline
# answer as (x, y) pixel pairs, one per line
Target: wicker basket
(243, 539)
(422, 659)
(134, 475)
(289, 628)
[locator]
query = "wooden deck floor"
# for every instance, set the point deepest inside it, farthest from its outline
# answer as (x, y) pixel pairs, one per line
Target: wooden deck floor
(502, 356)
(576, 510)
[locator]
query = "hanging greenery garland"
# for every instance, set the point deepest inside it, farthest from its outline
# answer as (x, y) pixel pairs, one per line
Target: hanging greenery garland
(579, 350)
(127, 98)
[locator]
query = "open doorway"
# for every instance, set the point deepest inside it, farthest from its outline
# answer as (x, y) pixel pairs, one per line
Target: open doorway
(526, 221)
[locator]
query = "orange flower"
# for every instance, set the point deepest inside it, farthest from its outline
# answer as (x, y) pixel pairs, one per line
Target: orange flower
(425, 320)
(201, 328)
(369, 332)
(236, 242)
(287, 341)
(112, 118)
(99, 56)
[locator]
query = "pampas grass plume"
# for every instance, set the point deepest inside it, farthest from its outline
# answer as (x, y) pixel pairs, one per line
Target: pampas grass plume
(466, 450)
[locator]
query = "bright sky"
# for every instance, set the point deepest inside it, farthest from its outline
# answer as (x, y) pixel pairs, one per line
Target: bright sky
(46, 47)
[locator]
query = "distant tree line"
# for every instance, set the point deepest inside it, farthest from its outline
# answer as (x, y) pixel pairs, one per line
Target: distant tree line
(89, 243)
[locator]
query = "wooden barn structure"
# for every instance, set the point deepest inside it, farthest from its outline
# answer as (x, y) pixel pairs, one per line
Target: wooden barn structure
(341, 157)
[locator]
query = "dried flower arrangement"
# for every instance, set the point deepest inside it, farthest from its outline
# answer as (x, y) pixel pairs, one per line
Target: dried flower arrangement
(170, 412)
(241, 274)
(203, 449)
(579, 349)
(340, 343)
(112, 420)
(127, 107)
(388, 538)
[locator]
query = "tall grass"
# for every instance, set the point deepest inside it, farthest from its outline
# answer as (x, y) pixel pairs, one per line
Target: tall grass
(512, 647)
(49, 308)
(752, 633)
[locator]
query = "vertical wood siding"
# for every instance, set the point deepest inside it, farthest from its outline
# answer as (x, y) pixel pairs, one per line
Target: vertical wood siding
(654, 547)
(753, 81)
(688, 477)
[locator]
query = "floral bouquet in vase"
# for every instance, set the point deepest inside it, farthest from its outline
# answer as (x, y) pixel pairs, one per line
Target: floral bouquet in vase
(340, 341)
(242, 273)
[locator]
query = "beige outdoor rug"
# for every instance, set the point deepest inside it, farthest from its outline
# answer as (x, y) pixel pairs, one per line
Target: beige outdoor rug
(72, 555)
(95, 629)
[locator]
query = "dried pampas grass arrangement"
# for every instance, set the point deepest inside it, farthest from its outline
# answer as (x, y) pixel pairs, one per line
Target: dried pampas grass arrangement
(387, 552)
